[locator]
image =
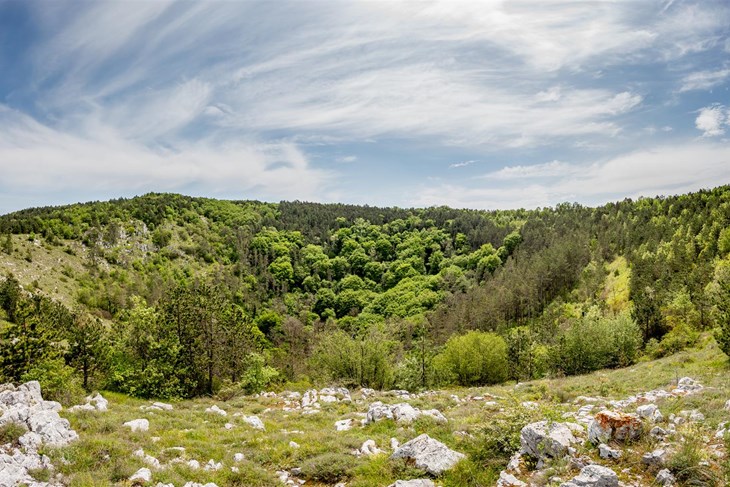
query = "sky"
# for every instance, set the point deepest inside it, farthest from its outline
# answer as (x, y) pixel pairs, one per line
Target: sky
(480, 104)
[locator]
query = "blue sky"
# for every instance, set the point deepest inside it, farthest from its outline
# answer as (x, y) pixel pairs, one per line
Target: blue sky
(492, 104)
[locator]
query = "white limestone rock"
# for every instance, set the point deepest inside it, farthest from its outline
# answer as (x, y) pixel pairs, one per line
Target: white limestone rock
(509, 480)
(428, 454)
(546, 439)
(413, 483)
(593, 476)
(214, 409)
(665, 478)
(650, 412)
(606, 452)
(138, 425)
(142, 475)
(254, 422)
(344, 425)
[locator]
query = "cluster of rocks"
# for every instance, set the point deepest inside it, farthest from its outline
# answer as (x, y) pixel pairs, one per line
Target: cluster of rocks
(401, 413)
(606, 429)
(143, 476)
(311, 401)
(24, 405)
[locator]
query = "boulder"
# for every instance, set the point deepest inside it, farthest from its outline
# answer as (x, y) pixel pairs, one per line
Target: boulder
(138, 425)
(378, 411)
(405, 413)
(611, 425)
(593, 476)
(428, 454)
(546, 439)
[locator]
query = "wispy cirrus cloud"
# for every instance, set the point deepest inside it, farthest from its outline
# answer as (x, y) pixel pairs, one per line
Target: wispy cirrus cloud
(457, 165)
(545, 170)
(40, 158)
(257, 89)
(704, 80)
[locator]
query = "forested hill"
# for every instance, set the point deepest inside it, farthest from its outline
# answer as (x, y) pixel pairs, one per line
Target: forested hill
(186, 295)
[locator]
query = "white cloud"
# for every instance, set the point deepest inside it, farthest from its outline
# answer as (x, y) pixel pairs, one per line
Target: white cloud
(704, 80)
(35, 157)
(671, 169)
(347, 159)
(545, 170)
(457, 165)
(712, 120)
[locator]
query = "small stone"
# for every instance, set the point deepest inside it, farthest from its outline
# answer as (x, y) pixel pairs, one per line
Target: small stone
(412, 483)
(214, 409)
(605, 451)
(655, 458)
(665, 478)
(239, 457)
(254, 422)
(142, 475)
(344, 425)
(650, 412)
(293, 444)
(509, 480)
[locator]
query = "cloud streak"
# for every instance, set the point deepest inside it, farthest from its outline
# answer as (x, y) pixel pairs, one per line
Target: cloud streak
(664, 170)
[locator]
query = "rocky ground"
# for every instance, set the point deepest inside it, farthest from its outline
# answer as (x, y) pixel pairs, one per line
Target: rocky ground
(658, 423)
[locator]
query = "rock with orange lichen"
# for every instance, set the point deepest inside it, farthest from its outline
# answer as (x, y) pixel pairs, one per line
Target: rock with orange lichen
(612, 425)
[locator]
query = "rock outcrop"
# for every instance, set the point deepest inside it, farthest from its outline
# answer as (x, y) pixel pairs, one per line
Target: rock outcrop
(24, 405)
(428, 454)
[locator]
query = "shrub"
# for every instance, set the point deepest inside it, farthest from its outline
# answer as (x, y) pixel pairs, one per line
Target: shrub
(476, 358)
(678, 338)
(595, 342)
(11, 433)
(58, 381)
(328, 467)
(366, 361)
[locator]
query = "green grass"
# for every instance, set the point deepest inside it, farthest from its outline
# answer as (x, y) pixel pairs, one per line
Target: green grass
(487, 435)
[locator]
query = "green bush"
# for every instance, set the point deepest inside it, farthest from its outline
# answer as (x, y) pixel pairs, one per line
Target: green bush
(58, 381)
(258, 376)
(678, 338)
(367, 361)
(476, 358)
(11, 433)
(596, 342)
(328, 467)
